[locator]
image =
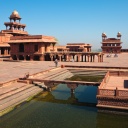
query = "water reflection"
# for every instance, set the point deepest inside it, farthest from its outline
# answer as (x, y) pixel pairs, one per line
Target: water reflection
(60, 108)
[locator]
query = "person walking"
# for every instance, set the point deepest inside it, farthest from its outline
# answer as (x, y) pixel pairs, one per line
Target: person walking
(56, 62)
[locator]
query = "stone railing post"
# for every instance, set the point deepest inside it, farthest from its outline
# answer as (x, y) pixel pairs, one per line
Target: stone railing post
(116, 92)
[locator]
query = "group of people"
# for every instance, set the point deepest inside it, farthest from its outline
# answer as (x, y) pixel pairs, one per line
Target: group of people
(109, 55)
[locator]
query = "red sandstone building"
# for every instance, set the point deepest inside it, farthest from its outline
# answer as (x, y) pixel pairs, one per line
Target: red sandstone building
(23, 46)
(17, 43)
(111, 45)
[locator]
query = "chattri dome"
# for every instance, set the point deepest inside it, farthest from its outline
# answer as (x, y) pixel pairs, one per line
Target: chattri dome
(15, 14)
(118, 34)
(103, 34)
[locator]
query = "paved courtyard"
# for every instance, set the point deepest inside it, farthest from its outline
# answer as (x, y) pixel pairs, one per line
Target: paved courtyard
(13, 70)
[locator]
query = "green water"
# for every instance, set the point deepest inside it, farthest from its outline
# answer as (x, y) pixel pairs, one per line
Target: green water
(60, 109)
(86, 78)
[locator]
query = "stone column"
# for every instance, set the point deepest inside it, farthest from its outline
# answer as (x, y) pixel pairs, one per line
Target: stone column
(31, 57)
(53, 47)
(93, 58)
(17, 56)
(102, 58)
(99, 58)
(72, 87)
(82, 58)
(24, 57)
(88, 58)
(49, 85)
(66, 57)
(42, 58)
(51, 56)
(4, 51)
(0, 51)
(79, 57)
(10, 58)
(69, 57)
(85, 58)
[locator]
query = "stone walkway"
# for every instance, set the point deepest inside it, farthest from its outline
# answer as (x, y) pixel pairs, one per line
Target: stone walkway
(117, 81)
(13, 70)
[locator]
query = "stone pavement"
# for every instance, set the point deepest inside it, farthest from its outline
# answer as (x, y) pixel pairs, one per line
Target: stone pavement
(116, 81)
(13, 70)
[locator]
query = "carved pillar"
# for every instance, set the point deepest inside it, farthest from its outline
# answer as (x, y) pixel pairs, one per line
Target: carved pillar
(101, 57)
(31, 57)
(0, 51)
(79, 57)
(24, 57)
(42, 58)
(66, 57)
(82, 58)
(53, 47)
(49, 85)
(93, 58)
(85, 58)
(72, 87)
(88, 58)
(51, 56)
(11, 58)
(69, 57)
(17, 56)
(4, 51)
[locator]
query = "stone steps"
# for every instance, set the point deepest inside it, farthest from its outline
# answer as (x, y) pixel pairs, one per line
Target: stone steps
(50, 74)
(14, 91)
(17, 94)
(11, 87)
(55, 75)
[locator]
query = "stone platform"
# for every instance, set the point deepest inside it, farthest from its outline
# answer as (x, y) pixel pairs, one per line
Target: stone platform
(11, 71)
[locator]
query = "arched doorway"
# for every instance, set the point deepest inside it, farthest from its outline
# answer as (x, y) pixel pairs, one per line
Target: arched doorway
(14, 57)
(36, 58)
(27, 57)
(21, 57)
(47, 57)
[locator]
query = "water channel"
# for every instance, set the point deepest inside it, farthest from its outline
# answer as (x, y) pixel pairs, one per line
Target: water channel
(61, 109)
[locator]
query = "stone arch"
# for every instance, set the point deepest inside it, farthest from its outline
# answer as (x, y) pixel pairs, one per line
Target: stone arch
(36, 58)
(21, 57)
(47, 57)
(27, 57)
(14, 57)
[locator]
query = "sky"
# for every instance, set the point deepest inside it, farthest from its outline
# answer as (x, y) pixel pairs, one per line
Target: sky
(71, 21)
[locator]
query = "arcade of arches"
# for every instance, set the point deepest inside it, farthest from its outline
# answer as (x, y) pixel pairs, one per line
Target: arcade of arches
(69, 56)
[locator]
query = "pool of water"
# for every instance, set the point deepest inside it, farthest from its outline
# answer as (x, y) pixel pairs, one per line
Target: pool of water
(61, 109)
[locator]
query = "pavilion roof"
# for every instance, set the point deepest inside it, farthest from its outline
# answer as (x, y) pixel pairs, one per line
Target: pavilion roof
(32, 38)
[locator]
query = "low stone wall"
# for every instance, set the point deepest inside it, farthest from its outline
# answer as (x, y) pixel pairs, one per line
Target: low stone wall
(113, 92)
(104, 80)
(118, 73)
(112, 98)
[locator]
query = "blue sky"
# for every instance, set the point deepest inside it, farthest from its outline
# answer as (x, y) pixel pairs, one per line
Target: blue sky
(71, 21)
